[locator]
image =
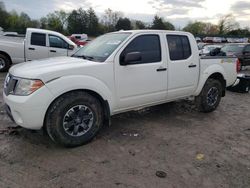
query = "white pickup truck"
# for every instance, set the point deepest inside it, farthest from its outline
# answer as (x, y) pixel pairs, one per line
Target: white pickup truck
(38, 44)
(71, 97)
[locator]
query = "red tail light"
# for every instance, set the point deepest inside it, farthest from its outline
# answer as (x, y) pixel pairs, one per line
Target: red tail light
(238, 67)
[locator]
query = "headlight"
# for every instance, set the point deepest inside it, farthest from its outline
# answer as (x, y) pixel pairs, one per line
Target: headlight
(25, 87)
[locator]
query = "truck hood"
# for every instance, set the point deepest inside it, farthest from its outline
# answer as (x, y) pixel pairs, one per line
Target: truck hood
(51, 68)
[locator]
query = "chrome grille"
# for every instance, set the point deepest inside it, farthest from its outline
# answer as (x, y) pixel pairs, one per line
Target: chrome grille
(9, 84)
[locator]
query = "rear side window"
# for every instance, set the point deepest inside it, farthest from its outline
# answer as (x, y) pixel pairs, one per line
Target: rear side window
(179, 47)
(149, 47)
(38, 39)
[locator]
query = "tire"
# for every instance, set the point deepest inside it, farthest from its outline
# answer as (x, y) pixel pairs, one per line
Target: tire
(67, 114)
(4, 63)
(210, 96)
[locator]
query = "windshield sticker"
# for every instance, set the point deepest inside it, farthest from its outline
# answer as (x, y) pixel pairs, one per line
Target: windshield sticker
(114, 42)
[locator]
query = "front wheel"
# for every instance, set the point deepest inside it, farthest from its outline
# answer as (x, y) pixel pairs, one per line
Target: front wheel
(74, 119)
(4, 63)
(210, 96)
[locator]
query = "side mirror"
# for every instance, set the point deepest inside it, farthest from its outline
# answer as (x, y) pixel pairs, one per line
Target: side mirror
(71, 47)
(131, 58)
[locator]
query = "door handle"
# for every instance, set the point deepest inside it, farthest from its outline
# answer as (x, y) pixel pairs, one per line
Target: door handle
(192, 66)
(53, 51)
(32, 49)
(161, 69)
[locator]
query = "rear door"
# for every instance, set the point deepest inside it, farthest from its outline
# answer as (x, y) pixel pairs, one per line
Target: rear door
(183, 66)
(57, 46)
(144, 81)
(36, 47)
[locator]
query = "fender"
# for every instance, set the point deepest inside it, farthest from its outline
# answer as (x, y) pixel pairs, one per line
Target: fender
(80, 82)
(206, 73)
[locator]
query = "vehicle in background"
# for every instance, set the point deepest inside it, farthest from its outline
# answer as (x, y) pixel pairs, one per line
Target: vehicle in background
(10, 34)
(237, 40)
(72, 97)
(208, 48)
(208, 39)
(217, 39)
(198, 39)
(37, 44)
(241, 51)
(79, 39)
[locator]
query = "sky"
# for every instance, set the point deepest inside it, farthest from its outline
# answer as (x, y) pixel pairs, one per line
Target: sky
(179, 12)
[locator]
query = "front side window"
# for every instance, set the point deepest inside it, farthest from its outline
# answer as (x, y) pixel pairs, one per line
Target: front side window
(148, 46)
(179, 47)
(57, 42)
(38, 39)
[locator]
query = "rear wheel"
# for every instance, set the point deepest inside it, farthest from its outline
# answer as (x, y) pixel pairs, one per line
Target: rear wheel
(74, 119)
(4, 63)
(210, 96)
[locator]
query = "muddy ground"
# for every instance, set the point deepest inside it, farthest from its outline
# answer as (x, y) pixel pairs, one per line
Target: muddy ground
(192, 148)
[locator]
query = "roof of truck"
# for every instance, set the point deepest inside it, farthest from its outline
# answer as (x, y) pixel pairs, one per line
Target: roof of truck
(50, 32)
(153, 31)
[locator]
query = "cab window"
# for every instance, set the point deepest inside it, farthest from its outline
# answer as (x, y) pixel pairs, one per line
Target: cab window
(179, 47)
(148, 46)
(57, 42)
(38, 39)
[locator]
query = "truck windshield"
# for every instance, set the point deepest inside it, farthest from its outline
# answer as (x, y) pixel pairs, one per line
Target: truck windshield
(102, 47)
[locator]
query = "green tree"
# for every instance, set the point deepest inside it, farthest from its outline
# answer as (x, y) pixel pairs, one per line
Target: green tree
(73, 22)
(110, 19)
(195, 28)
(56, 21)
(123, 23)
(4, 16)
(92, 23)
(159, 23)
(139, 25)
(240, 32)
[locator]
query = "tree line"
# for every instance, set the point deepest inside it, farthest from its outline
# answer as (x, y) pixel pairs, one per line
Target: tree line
(87, 21)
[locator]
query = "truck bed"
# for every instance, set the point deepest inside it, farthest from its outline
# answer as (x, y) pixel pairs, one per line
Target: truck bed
(227, 62)
(13, 45)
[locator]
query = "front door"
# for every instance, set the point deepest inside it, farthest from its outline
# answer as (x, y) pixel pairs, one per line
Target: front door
(143, 81)
(57, 46)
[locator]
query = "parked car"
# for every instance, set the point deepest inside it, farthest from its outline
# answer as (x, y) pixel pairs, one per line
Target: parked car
(38, 44)
(217, 39)
(10, 34)
(79, 39)
(208, 39)
(241, 51)
(208, 48)
(72, 97)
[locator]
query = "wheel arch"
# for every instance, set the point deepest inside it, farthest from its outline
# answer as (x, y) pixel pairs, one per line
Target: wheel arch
(7, 55)
(214, 75)
(104, 103)
(218, 76)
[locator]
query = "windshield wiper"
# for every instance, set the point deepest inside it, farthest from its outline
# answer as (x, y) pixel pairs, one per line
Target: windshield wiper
(85, 57)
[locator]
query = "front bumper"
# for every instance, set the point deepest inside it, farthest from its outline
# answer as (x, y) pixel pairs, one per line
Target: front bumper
(28, 111)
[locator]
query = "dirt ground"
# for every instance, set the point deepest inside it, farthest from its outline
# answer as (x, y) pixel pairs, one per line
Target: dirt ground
(193, 149)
